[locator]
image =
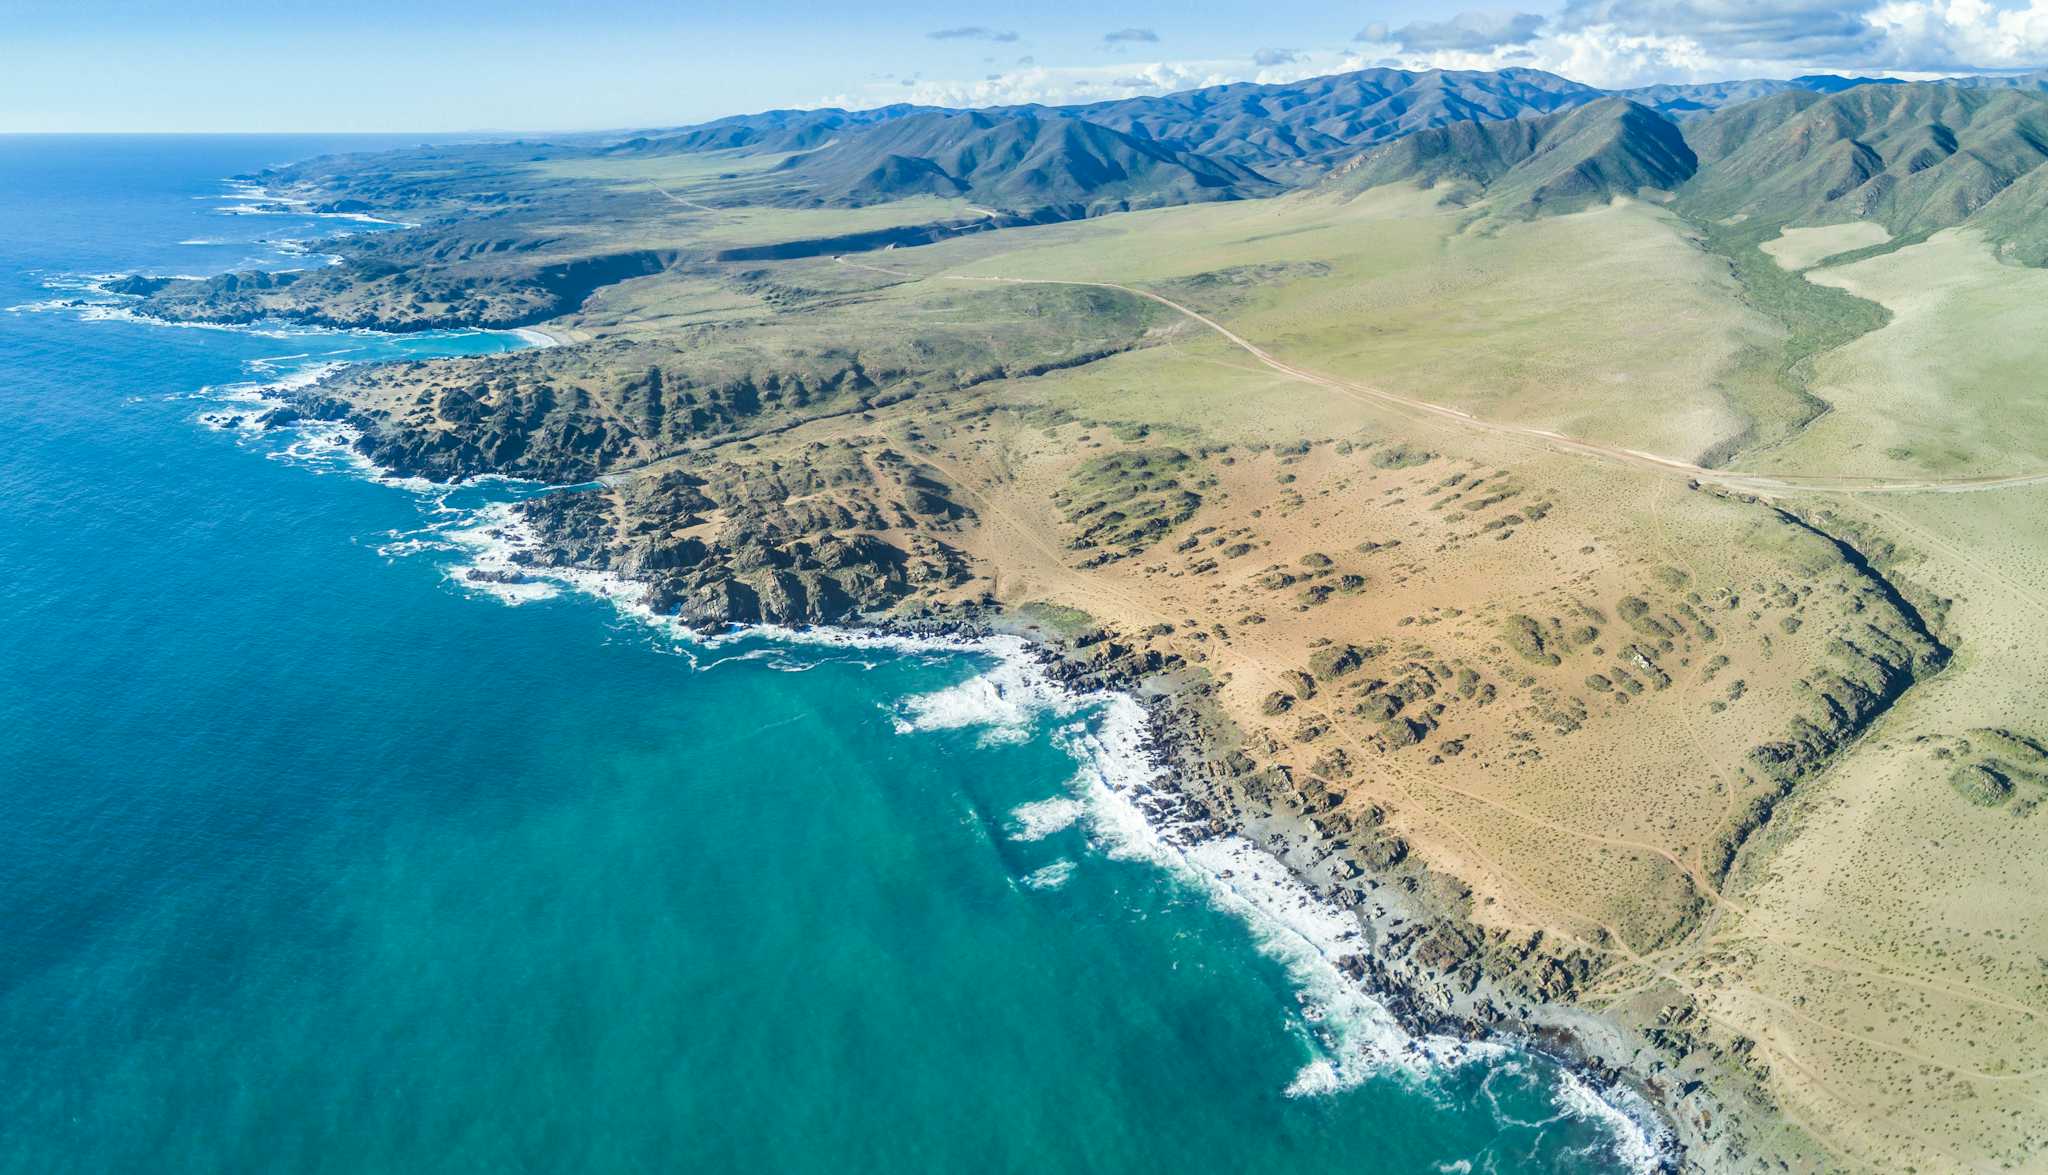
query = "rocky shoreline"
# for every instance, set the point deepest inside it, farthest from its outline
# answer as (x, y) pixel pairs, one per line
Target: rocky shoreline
(1422, 955)
(1419, 956)
(369, 286)
(1414, 953)
(1203, 788)
(1402, 963)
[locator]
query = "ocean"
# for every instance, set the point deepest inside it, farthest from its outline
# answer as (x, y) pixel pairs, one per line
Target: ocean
(317, 856)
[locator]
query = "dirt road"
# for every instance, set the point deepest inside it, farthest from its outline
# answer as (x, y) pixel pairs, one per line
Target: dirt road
(1753, 483)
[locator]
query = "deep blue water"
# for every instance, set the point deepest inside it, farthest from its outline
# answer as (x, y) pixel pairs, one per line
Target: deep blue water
(312, 859)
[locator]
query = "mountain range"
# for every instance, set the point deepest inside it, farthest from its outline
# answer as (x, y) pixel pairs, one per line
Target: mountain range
(1013, 162)
(1913, 156)
(1552, 163)
(1915, 159)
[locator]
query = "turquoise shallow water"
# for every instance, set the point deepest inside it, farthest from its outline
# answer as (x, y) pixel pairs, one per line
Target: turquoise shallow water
(313, 860)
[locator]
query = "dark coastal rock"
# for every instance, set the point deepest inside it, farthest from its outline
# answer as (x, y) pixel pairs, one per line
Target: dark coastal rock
(778, 555)
(376, 291)
(648, 555)
(136, 285)
(575, 528)
(723, 601)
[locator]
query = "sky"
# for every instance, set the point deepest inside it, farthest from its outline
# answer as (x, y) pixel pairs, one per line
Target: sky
(550, 65)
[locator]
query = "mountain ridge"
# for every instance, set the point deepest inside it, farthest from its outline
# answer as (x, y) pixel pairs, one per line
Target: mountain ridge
(1232, 141)
(1555, 163)
(1011, 162)
(1915, 158)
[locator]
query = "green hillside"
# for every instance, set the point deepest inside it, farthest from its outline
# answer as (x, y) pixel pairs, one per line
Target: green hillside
(1301, 127)
(1012, 163)
(1556, 163)
(1914, 158)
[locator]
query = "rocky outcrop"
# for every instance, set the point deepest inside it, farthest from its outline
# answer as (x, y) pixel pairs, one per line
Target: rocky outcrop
(571, 414)
(369, 291)
(844, 533)
(1884, 647)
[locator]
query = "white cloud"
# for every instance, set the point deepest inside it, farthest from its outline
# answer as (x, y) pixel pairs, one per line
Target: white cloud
(1467, 32)
(1620, 43)
(1961, 34)
(1600, 56)
(1056, 85)
(1832, 35)
(1609, 43)
(1733, 29)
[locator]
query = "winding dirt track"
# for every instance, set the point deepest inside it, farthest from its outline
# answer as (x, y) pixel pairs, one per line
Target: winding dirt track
(686, 203)
(1753, 483)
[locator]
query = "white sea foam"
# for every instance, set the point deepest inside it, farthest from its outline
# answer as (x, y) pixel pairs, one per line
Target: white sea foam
(501, 546)
(115, 312)
(494, 567)
(1051, 876)
(1041, 818)
(252, 190)
(252, 199)
(406, 546)
(320, 445)
(1516, 1070)
(1316, 1078)
(1131, 815)
(1003, 703)
(301, 377)
(1640, 1140)
(123, 312)
(288, 247)
(247, 405)
(92, 301)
